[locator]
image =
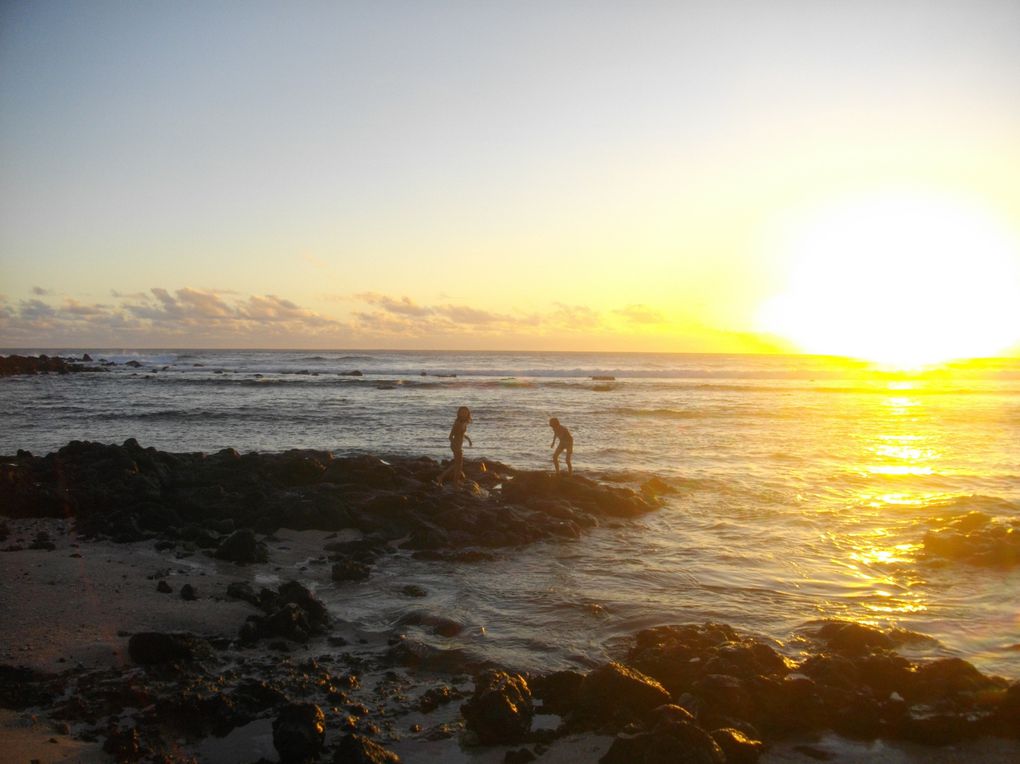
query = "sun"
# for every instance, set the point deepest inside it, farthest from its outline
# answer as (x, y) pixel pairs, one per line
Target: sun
(902, 279)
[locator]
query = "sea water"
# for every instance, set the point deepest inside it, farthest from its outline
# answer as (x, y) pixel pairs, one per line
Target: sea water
(804, 485)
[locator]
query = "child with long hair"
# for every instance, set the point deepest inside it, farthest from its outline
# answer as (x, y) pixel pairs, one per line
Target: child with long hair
(458, 434)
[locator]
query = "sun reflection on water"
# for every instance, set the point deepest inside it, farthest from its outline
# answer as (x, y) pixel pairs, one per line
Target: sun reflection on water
(899, 445)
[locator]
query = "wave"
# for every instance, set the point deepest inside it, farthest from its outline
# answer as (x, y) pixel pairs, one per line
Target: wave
(173, 415)
(248, 415)
(992, 505)
(469, 378)
(663, 413)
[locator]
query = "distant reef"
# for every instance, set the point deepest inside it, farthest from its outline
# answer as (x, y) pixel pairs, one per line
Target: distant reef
(12, 365)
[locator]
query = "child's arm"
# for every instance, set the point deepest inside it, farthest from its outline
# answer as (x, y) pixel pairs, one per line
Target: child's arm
(555, 435)
(468, 439)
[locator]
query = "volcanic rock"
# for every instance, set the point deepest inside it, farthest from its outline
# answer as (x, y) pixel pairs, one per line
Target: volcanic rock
(616, 694)
(151, 647)
(299, 732)
(500, 710)
(242, 547)
(358, 749)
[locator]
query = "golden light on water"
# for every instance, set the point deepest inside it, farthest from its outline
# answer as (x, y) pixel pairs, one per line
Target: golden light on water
(902, 451)
(902, 279)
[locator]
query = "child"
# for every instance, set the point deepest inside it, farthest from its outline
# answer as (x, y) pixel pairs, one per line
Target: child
(566, 444)
(458, 433)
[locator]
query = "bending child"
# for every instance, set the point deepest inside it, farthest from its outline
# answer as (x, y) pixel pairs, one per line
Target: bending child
(566, 445)
(458, 433)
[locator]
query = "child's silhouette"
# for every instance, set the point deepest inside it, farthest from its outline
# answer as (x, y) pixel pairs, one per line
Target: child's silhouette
(458, 433)
(566, 445)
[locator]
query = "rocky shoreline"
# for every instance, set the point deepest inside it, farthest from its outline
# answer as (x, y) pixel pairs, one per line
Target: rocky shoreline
(199, 663)
(12, 365)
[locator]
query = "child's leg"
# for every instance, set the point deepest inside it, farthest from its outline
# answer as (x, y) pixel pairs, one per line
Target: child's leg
(556, 458)
(570, 464)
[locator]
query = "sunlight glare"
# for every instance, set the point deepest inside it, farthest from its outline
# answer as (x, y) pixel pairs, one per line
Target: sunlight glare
(902, 279)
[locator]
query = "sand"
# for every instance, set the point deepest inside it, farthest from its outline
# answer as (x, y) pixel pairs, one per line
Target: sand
(76, 606)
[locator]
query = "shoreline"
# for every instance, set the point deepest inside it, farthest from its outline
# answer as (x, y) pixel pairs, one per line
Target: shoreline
(53, 629)
(83, 594)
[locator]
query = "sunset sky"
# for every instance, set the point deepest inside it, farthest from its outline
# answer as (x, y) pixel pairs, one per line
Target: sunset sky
(687, 176)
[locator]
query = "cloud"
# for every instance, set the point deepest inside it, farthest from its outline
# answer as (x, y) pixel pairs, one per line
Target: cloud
(640, 314)
(194, 317)
(390, 316)
(462, 314)
(579, 316)
(272, 309)
(36, 310)
(186, 315)
(75, 308)
(40, 292)
(402, 306)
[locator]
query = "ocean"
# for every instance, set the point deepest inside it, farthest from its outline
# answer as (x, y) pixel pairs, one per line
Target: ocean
(803, 485)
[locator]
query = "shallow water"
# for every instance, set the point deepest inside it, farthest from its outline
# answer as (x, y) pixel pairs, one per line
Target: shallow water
(805, 484)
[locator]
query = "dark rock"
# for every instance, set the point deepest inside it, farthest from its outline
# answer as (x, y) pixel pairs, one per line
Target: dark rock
(131, 493)
(124, 744)
(615, 694)
(854, 638)
(832, 671)
(949, 677)
(500, 710)
(200, 537)
(444, 627)
(242, 590)
(241, 546)
(737, 747)
(296, 593)
(299, 732)
(433, 698)
(42, 540)
(410, 590)
(290, 622)
(610, 501)
(150, 647)
(18, 364)
(669, 743)
(976, 539)
(22, 687)
(518, 756)
(188, 593)
(251, 630)
(656, 487)
(558, 691)
(357, 749)
(724, 695)
(350, 570)
(163, 587)
(297, 468)
(931, 726)
(1006, 721)
(676, 655)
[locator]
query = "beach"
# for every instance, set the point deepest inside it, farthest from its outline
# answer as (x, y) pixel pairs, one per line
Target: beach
(489, 383)
(153, 617)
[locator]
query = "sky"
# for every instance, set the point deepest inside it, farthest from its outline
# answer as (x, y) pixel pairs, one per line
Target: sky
(501, 175)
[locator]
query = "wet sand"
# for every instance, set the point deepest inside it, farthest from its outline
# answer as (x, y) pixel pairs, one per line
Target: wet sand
(73, 608)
